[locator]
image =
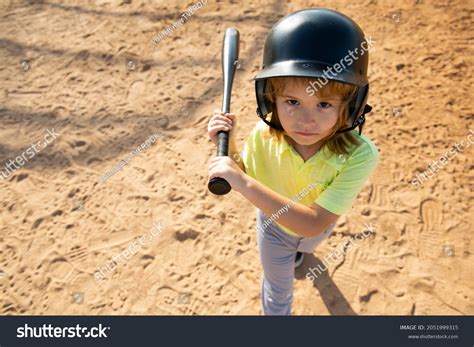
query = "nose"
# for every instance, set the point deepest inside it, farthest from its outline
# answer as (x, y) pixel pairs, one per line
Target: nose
(306, 119)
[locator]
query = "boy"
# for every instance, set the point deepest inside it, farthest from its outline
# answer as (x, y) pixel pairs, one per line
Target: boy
(306, 165)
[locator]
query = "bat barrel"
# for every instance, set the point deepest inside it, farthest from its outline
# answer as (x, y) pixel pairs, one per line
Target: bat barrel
(230, 54)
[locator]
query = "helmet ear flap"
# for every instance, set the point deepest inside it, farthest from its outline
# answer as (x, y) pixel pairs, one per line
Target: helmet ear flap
(358, 108)
(264, 105)
(357, 105)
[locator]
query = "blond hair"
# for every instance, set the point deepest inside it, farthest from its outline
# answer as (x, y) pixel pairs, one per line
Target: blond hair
(338, 143)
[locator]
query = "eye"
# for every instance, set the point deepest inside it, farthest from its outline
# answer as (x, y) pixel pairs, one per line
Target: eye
(324, 105)
(292, 102)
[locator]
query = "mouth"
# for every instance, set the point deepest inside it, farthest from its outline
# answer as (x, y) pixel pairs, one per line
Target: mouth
(306, 133)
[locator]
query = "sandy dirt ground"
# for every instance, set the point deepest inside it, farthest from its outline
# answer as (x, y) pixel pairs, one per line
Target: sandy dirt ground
(89, 72)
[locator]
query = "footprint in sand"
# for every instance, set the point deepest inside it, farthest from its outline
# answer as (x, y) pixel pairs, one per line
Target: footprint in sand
(378, 196)
(182, 302)
(390, 226)
(382, 179)
(59, 269)
(383, 175)
(349, 279)
(77, 254)
(136, 89)
(430, 240)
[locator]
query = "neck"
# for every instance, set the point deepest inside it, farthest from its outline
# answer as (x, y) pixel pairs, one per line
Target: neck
(306, 152)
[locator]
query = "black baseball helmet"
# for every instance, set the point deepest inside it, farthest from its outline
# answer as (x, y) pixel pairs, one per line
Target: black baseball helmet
(311, 43)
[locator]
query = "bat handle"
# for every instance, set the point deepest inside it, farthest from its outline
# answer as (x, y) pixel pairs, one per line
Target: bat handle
(218, 185)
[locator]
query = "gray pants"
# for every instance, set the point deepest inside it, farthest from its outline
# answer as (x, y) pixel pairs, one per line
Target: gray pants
(277, 253)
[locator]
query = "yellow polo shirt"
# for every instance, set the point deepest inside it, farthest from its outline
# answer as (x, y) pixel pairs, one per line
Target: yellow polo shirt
(331, 181)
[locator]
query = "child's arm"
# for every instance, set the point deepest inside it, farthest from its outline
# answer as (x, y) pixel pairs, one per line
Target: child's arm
(234, 152)
(304, 221)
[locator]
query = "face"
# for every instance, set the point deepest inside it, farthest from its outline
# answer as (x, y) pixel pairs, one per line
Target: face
(306, 119)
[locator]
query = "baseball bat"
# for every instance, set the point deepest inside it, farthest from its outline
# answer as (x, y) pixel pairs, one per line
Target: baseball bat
(230, 55)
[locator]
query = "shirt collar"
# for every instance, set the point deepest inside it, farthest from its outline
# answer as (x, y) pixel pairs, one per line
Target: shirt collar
(285, 147)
